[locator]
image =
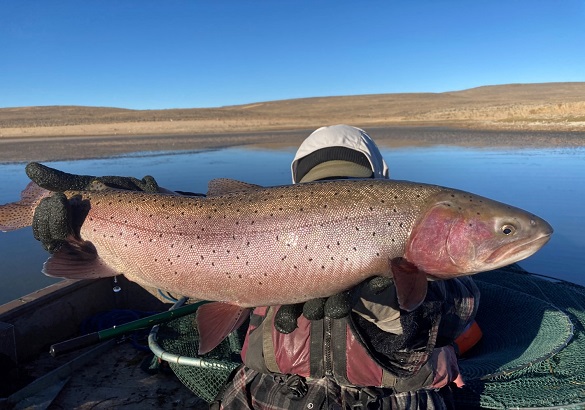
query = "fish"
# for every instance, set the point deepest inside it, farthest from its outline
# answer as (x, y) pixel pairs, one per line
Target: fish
(244, 245)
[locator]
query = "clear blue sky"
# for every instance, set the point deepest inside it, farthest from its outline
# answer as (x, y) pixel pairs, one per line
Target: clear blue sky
(166, 54)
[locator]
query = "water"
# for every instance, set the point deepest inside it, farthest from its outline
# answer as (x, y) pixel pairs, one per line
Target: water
(548, 182)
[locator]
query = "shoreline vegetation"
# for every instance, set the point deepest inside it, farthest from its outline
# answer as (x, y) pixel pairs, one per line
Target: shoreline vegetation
(547, 107)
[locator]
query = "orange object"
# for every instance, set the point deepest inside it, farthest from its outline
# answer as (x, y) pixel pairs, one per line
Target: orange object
(469, 338)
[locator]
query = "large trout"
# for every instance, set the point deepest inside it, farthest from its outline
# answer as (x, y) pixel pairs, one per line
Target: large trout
(247, 245)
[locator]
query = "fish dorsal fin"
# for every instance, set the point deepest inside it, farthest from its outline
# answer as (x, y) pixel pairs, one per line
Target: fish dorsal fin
(221, 186)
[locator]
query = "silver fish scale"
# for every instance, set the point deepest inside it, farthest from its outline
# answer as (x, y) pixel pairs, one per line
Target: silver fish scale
(259, 247)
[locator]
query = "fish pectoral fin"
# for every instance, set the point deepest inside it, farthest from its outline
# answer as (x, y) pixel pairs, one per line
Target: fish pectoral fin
(215, 321)
(77, 259)
(221, 186)
(411, 283)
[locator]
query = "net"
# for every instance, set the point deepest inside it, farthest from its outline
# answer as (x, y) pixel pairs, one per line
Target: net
(533, 351)
(203, 375)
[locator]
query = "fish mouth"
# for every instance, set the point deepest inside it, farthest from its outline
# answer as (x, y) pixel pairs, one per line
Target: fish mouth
(515, 251)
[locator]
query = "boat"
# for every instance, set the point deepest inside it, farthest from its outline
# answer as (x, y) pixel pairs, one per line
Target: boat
(106, 375)
(532, 354)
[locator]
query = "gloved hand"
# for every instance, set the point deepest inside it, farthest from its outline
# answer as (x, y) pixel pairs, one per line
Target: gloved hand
(59, 181)
(54, 218)
(52, 222)
(334, 307)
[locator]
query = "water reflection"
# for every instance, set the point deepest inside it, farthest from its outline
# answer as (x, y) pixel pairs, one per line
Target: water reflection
(547, 182)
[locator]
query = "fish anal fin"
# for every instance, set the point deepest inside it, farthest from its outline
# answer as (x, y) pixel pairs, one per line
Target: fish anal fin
(411, 283)
(221, 186)
(215, 321)
(77, 259)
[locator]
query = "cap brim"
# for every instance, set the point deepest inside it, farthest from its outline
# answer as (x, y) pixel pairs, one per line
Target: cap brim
(337, 169)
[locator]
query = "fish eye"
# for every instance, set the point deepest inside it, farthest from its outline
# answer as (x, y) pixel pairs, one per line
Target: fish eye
(508, 229)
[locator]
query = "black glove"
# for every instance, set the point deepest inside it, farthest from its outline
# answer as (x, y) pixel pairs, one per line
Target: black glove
(59, 181)
(52, 222)
(334, 307)
(54, 219)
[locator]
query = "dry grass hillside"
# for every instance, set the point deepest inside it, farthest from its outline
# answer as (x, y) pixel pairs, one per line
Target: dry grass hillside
(548, 106)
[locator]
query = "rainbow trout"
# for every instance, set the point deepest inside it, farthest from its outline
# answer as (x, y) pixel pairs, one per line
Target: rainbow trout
(247, 245)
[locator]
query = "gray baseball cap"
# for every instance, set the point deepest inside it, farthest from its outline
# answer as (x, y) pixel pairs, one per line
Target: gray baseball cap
(338, 151)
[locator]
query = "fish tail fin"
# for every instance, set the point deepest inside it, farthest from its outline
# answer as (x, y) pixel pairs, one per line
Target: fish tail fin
(20, 214)
(77, 259)
(215, 321)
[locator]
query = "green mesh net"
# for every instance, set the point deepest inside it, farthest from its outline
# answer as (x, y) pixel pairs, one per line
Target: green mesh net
(533, 351)
(205, 379)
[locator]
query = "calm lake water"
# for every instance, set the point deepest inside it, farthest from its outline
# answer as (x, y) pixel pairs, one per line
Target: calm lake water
(547, 182)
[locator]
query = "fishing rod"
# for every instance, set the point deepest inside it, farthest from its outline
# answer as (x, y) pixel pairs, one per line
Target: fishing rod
(115, 331)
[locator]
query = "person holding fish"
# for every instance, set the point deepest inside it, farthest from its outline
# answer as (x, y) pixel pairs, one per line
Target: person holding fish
(357, 349)
(370, 347)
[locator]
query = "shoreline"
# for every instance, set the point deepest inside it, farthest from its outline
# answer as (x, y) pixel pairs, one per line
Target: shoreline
(72, 147)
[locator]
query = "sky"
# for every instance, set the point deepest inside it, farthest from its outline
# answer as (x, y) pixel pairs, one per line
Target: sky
(143, 54)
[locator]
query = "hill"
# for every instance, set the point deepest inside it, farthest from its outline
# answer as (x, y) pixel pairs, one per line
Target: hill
(553, 106)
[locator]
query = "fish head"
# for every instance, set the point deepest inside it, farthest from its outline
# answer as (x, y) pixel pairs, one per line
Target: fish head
(460, 234)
